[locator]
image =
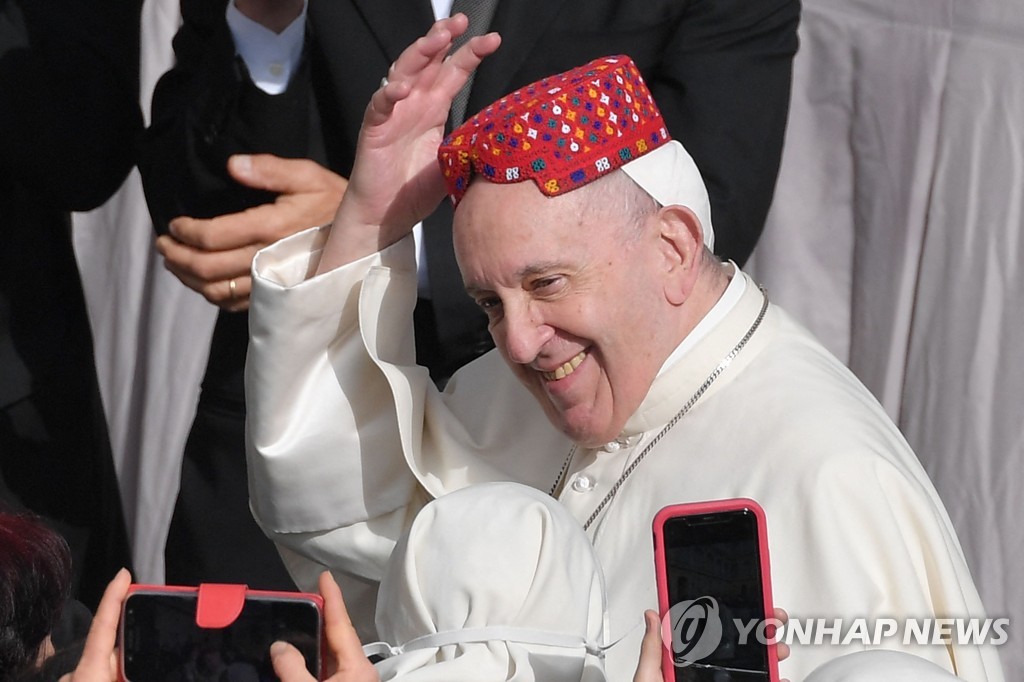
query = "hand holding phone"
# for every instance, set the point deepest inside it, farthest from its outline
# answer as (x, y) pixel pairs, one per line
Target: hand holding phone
(215, 632)
(345, 651)
(714, 592)
(98, 662)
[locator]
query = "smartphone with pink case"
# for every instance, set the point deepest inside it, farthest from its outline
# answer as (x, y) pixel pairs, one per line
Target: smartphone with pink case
(714, 592)
(215, 631)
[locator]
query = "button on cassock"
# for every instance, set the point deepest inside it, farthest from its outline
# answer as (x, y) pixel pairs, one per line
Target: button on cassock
(582, 483)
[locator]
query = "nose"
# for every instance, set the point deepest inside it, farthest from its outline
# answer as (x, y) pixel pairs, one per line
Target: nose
(524, 333)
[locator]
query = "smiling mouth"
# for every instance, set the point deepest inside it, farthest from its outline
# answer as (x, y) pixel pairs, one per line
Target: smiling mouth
(566, 369)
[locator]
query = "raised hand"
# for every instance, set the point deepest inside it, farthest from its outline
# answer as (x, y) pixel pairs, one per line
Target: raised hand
(395, 180)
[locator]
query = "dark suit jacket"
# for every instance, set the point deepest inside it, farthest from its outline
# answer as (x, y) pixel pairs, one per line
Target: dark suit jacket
(70, 117)
(720, 71)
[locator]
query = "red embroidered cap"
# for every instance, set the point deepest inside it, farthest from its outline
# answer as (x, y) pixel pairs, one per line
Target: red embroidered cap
(561, 132)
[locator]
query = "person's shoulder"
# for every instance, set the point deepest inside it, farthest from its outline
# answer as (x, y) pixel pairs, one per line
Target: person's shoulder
(800, 372)
(805, 402)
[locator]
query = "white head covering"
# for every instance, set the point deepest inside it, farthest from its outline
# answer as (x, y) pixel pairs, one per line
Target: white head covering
(493, 582)
(670, 176)
(880, 665)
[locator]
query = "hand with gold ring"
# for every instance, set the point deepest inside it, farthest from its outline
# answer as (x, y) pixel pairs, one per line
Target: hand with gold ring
(207, 254)
(237, 293)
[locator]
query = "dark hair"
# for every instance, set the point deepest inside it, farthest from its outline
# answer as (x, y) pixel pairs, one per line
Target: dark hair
(35, 580)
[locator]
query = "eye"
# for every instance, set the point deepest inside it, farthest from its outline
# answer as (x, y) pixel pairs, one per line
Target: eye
(547, 285)
(489, 303)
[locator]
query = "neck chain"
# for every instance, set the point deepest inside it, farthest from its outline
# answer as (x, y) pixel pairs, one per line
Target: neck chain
(725, 362)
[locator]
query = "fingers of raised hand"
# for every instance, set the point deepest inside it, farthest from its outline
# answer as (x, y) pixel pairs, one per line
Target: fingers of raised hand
(461, 64)
(414, 66)
(429, 49)
(425, 65)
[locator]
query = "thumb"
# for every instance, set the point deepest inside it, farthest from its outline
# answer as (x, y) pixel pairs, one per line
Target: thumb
(648, 669)
(288, 663)
(277, 174)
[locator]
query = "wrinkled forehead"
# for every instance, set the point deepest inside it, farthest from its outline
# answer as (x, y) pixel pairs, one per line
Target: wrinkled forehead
(505, 223)
(491, 209)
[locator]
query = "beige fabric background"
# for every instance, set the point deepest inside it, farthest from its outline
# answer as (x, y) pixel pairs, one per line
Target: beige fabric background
(895, 236)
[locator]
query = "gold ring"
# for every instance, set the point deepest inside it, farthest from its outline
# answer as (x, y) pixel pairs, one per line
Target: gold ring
(231, 288)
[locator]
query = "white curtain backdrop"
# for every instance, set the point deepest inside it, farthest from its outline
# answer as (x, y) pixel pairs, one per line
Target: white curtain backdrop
(895, 236)
(152, 335)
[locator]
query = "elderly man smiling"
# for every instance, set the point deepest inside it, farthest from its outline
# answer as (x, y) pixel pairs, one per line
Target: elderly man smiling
(633, 369)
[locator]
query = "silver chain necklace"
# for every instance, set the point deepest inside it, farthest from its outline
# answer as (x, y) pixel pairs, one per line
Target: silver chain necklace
(725, 362)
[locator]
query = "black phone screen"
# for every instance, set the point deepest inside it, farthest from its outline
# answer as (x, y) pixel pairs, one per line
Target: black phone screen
(162, 643)
(716, 556)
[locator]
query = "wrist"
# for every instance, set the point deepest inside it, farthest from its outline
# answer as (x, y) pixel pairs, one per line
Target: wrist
(350, 239)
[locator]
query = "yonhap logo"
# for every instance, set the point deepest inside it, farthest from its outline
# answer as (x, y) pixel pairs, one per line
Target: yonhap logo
(696, 629)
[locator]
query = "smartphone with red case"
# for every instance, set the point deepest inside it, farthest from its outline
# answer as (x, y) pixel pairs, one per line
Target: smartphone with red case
(215, 632)
(714, 592)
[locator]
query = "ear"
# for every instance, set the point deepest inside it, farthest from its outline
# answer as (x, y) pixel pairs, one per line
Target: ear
(682, 247)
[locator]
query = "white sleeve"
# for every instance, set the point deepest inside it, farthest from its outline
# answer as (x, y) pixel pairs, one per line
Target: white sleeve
(270, 57)
(315, 486)
(347, 438)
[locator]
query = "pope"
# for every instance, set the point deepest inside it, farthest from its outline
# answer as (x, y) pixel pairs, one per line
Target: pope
(632, 368)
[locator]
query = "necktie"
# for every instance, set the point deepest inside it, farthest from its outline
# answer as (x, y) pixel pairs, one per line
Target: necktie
(480, 13)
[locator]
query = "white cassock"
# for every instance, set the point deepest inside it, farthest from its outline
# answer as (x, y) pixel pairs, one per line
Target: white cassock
(348, 438)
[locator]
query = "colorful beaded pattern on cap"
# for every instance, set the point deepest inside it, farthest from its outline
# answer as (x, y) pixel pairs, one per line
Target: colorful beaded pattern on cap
(561, 132)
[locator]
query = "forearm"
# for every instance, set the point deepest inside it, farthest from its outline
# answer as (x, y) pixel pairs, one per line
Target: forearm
(353, 237)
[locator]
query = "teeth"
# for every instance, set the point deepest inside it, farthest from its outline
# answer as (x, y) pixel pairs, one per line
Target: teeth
(566, 369)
